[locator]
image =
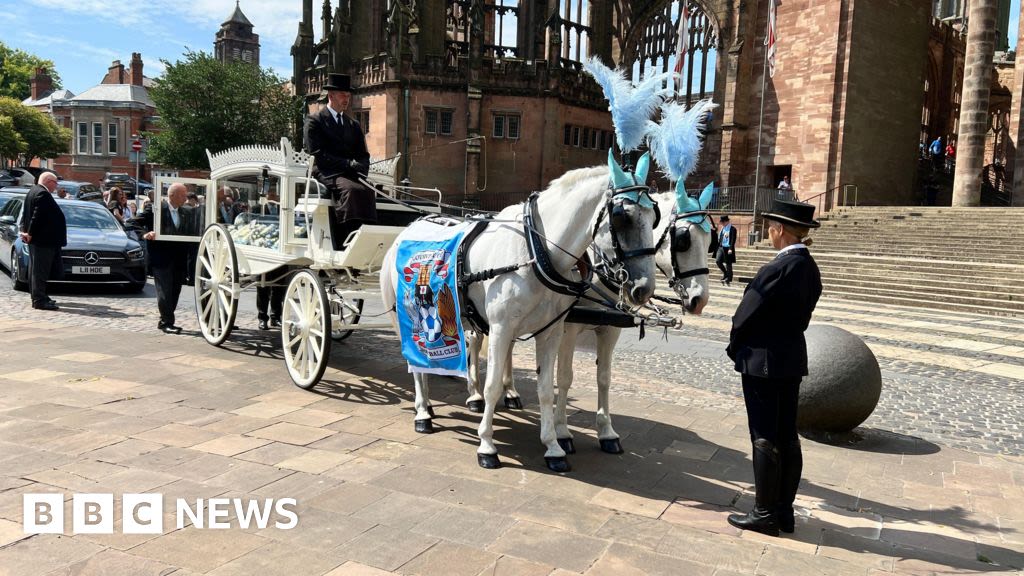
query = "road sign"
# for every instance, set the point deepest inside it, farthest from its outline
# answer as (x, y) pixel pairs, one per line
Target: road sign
(136, 145)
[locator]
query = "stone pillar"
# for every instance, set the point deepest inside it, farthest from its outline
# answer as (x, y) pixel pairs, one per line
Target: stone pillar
(473, 174)
(970, 155)
(735, 76)
(1017, 119)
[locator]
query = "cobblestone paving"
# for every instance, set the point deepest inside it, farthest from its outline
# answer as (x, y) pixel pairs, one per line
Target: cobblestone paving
(959, 408)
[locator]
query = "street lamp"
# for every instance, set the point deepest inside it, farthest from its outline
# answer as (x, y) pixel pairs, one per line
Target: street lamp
(137, 148)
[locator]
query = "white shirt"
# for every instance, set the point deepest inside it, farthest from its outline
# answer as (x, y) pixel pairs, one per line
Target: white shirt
(338, 116)
(797, 246)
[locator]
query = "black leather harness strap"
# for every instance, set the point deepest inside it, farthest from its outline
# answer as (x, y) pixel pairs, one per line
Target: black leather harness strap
(542, 265)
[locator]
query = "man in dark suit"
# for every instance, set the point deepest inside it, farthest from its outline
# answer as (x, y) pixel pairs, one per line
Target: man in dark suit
(44, 229)
(767, 344)
(339, 146)
(726, 255)
(168, 259)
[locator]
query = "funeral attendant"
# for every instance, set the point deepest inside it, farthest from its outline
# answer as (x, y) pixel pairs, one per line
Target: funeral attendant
(339, 146)
(768, 348)
(168, 259)
(45, 231)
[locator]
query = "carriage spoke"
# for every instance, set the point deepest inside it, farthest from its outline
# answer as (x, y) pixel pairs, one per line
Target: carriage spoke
(315, 347)
(206, 263)
(295, 308)
(315, 332)
(293, 341)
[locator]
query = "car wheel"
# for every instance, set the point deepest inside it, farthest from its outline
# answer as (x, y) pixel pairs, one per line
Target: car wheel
(16, 273)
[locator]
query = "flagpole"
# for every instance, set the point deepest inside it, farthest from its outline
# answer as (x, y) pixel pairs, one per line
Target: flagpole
(760, 122)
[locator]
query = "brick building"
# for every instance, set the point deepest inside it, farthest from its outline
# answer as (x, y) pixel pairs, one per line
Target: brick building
(485, 98)
(235, 39)
(102, 120)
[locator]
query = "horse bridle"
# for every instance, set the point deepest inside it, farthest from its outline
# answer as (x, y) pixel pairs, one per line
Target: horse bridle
(615, 208)
(680, 241)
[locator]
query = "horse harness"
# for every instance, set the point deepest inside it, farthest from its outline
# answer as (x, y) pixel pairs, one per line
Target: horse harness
(540, 258)
(679, 241)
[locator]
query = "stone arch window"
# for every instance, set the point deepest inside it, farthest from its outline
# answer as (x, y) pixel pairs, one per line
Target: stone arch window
(655, 50)
(503, 24)
(500, 28)
(575, 19)
(457, 24)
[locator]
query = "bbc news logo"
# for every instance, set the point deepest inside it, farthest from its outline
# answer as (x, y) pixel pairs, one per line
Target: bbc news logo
(144, 513)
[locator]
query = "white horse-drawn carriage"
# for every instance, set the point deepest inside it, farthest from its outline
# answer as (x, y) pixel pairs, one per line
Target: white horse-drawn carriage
(264, 222)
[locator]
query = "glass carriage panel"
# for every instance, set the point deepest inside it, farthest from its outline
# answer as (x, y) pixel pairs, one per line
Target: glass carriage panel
(250, 206)
(189, 221)
(302, 220)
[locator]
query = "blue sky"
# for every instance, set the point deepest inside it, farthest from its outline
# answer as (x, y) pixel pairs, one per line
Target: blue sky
(85, 36)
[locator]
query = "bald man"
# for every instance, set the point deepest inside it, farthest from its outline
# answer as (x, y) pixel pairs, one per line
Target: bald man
(168, 260)
(45, 231)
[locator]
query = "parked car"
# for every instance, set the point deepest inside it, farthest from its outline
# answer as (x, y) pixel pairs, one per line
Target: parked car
(123, 181)
(99, 251)
(7, 179)
(144, 187)
(81, 191)
(27, 175)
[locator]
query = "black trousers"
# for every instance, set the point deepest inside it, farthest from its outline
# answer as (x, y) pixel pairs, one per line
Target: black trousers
(168, 279)
(44, 263)
(724, 262)
(771, 408)
(270, 297)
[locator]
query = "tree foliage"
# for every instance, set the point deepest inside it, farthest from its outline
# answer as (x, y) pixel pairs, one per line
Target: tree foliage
(16, 70)
(207, 104)
(25, 131)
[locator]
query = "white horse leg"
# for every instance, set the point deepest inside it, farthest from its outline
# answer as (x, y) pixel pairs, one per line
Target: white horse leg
(547, 352)
(423, 422)
(565, 355)
(475, 401)
(499, 346)
(512, 399)
(607, 337)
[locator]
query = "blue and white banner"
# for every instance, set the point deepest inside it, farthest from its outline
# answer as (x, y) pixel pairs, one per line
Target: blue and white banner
(427, 304)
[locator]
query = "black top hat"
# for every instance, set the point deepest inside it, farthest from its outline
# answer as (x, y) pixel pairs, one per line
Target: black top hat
(339, 82)
(797, 213)
(723, 218)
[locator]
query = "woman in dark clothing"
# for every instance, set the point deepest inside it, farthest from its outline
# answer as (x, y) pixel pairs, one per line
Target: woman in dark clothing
(767, 344)
(114, 204)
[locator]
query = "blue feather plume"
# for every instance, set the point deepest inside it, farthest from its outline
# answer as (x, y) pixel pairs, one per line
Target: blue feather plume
(631, 107)
(675, 141)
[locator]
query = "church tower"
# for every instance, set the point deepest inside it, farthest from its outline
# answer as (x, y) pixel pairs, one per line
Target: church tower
(235, 40)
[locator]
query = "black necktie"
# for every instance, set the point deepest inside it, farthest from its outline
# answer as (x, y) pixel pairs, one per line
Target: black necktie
(338, 120)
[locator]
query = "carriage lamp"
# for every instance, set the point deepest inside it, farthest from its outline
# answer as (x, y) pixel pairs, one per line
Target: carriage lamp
(265, 175)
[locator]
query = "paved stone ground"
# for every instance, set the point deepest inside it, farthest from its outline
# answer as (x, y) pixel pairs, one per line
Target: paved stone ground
(96, 400)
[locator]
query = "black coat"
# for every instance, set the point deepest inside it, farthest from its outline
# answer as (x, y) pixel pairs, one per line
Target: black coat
(767, 338)
(43, 219)
(169, 253)
(336, 147)
(730, 255)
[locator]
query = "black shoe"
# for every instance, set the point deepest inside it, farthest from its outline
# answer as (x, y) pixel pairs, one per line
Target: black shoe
(786, 519)
(757, 520)
(49, 305)
(275, 322)
(264, 325)
(168, 328)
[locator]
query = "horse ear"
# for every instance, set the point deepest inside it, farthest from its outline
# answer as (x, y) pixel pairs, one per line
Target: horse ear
(706, 195)
(683, 201)
(642, 167)
(619, 177)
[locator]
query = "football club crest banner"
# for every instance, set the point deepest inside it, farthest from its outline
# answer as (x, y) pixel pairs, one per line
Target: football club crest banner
(427, 304)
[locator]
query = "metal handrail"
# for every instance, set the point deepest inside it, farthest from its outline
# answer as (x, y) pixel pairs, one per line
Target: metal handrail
(826, 200)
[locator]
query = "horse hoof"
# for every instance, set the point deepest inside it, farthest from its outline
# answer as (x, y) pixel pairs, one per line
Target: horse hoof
(430, 410)
(475, 406)
(488, 461)
(425, 426)
(567, 445)
(558, 464)
(514, 403)
(611, 446)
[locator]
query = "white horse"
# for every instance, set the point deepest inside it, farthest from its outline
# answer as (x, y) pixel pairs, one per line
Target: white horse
(684, 240)
(518, 303)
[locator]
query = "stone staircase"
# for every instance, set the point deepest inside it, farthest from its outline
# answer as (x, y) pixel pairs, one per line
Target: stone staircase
(956, 259)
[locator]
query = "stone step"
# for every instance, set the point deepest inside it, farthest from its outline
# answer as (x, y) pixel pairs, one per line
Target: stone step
(922, 281)
(888, 261)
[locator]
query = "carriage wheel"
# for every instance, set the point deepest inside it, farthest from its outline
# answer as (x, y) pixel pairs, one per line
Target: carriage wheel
(306, 329)
(216, 288)
(348, 313)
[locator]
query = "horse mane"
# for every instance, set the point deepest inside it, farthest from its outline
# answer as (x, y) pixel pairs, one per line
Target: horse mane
(573, 177)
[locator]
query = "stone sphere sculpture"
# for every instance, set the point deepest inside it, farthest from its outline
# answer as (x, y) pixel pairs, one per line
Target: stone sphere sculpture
(843, 384)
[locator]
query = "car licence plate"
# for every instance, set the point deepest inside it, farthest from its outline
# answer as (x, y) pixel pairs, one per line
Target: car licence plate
(90, 269)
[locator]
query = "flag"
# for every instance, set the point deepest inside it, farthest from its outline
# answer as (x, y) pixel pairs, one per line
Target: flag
(770, 38)
(683, 45)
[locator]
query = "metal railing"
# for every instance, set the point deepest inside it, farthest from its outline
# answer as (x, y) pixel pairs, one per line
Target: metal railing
(842, 195)
(740, 199)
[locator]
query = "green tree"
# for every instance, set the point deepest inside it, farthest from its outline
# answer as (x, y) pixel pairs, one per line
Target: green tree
(25, 131)
(16, 70)
(207, 104)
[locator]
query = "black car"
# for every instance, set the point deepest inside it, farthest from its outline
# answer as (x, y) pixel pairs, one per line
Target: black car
(81, 191)
(99, 251)
(123, 181)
